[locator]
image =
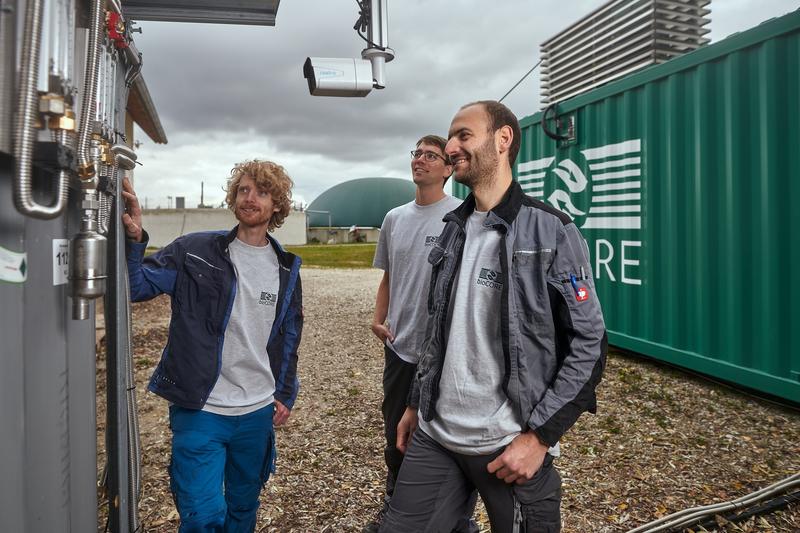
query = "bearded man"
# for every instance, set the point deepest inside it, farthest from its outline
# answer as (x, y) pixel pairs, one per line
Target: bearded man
(514, 349)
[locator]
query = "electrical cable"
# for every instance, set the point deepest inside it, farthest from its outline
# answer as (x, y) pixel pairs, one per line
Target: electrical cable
(133, 72)
(520, 80)
(552, 134)
(683, 518)
(363, 21)
(775, 504)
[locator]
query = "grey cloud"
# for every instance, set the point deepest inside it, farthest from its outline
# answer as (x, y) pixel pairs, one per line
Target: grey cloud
(209, 81)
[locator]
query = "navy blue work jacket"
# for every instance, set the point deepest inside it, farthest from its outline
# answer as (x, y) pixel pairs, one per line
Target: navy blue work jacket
(196, 271)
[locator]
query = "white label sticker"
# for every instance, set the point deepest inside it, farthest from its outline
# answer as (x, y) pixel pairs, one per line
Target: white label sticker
(13, 266)
(60, 261)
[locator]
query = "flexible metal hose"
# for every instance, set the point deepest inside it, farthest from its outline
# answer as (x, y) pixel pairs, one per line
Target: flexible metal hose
(106, 201)
(8, 36)
(134, 488)
(65, 138)
(134, 441)
(115, 6)
(124, 160)
(85, 163)
(103, 215)
(25, 132)
(689, 516)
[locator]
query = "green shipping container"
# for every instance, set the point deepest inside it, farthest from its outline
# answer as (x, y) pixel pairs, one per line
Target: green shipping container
(685, 181)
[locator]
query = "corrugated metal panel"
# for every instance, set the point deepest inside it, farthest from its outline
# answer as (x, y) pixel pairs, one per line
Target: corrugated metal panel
(48, 454)
(257, 12)
(684, 180)
(618, 38)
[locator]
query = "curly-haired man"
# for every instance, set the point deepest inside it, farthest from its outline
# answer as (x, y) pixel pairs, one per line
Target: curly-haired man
(229, 366)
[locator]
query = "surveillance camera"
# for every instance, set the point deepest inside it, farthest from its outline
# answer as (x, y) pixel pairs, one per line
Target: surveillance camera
(338, 76)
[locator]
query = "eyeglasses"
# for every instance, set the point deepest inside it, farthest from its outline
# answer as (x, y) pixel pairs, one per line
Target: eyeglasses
(430, 157)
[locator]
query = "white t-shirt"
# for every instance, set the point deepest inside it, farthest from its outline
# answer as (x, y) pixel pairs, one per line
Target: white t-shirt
(473, 414)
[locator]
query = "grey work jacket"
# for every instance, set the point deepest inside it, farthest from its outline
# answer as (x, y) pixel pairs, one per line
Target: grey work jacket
(553, 335)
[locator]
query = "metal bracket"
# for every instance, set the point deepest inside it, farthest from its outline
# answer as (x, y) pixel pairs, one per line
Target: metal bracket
(565, 132)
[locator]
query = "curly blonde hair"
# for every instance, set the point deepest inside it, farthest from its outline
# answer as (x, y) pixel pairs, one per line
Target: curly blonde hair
(270, 177)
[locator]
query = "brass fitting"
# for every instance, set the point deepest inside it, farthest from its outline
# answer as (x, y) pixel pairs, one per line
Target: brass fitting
(63, 122)
(105, 153)
(87, 171)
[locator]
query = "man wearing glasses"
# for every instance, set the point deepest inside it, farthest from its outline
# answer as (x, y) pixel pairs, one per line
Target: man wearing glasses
(407, 236)
(515, 348)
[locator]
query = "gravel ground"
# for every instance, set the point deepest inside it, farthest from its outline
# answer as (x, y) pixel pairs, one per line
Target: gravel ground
(662, 441)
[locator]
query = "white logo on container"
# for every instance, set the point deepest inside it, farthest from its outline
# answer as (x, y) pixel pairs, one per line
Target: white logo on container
(615, 177)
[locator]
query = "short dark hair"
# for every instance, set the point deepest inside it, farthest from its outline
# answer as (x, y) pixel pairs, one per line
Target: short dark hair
(434, 140)
(501, 116)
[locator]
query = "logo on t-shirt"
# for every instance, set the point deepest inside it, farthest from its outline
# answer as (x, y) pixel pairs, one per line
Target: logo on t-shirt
(490, 278)
(267, 298)
(430, 240)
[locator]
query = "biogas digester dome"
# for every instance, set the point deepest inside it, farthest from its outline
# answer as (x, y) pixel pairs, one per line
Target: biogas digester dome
(360, 202)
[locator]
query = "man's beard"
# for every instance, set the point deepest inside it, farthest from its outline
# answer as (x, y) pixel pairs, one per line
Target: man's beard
(251, 219)
(482, 166)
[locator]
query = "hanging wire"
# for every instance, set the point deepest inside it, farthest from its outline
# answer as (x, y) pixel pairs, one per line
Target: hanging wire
(362, 23)
(521, 80)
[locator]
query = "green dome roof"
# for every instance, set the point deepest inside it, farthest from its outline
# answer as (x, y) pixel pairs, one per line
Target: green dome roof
(360, 202)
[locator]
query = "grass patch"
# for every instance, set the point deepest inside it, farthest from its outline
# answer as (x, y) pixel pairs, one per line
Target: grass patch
(144, 362)
(327, 255)
(336, 255)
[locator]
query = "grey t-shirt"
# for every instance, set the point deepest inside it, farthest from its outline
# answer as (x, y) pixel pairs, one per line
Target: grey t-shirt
(407, 235)
(474, 415)
(245, 382)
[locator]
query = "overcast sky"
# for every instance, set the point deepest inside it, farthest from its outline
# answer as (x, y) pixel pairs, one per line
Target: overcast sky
(229, 93)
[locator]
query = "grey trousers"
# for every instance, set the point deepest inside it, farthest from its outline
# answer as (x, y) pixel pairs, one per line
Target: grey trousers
(397, 378)
(434, 486)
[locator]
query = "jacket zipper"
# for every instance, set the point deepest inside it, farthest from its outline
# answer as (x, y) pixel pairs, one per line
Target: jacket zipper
(504, 307)
(203, 260)
(225, 318)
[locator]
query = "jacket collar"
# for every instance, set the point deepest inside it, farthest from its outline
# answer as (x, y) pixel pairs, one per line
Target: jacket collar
(506, 210)
(461, 213)
(285, 259)
(509, 206)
